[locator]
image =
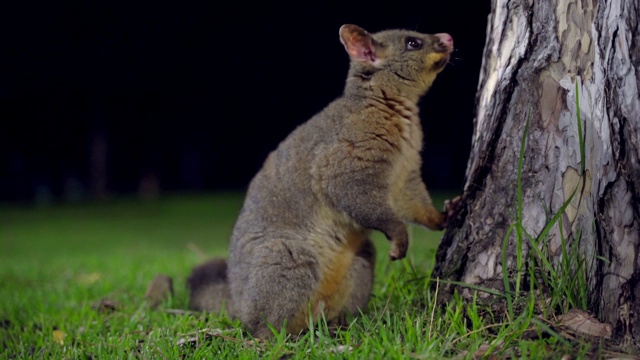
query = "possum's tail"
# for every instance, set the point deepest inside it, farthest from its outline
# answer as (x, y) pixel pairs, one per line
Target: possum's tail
(209, 287)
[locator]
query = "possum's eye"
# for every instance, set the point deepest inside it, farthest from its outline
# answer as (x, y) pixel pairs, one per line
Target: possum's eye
(413, 43)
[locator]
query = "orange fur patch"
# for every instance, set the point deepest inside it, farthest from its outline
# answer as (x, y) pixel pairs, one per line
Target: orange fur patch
(334, 288)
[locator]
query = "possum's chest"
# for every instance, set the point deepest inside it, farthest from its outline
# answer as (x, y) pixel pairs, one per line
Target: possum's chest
(408, 161)
(409, 146)
(403, 124)
(411, 134)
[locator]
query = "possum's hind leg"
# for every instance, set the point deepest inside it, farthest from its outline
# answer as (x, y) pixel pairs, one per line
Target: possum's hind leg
(279, 285)
(361, 277)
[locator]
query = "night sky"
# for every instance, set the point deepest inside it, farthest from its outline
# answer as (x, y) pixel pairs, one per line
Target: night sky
(193, 96)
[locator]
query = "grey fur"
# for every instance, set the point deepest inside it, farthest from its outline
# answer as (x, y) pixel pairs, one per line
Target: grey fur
(300, 248)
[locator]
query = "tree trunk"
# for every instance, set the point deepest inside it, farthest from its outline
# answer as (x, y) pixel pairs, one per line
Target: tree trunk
(535, 53)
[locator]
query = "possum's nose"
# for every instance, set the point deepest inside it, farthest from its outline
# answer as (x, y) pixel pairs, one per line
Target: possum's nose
(446, 40)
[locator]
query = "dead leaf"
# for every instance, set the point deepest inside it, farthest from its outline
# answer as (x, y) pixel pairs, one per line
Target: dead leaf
(582, 322)
(159, 290)
(340, 349)
(104, 306)
(481, 353)
(88, 279)
(193, 338)
(58, 336)
(180, 311)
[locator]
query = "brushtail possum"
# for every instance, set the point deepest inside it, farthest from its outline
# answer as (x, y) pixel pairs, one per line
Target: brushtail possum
(301, 245)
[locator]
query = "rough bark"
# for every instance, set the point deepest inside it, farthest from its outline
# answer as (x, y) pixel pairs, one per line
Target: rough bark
(535, 53)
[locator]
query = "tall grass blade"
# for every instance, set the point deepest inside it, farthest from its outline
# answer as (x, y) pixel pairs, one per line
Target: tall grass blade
(520, 206)
(505, 271)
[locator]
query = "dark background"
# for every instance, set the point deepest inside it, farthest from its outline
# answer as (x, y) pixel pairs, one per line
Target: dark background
(102, 99)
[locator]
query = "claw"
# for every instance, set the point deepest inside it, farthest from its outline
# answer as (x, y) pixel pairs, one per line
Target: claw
(450, 207)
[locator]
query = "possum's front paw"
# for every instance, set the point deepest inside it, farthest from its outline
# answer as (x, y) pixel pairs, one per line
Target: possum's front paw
(451, 209)
(398, 249)
(396, 233)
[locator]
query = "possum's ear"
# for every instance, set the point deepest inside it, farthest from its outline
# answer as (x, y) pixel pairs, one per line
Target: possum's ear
(358, 42)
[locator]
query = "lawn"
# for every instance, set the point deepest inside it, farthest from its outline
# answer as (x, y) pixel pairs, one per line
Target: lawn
(73, 278)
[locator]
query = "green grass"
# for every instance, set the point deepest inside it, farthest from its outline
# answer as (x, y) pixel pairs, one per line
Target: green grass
(57, 262)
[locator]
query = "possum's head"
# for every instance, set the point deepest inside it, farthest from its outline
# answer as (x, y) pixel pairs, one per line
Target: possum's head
(401, 61)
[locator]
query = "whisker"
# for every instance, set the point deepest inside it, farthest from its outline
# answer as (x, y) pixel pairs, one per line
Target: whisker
(418, 23)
